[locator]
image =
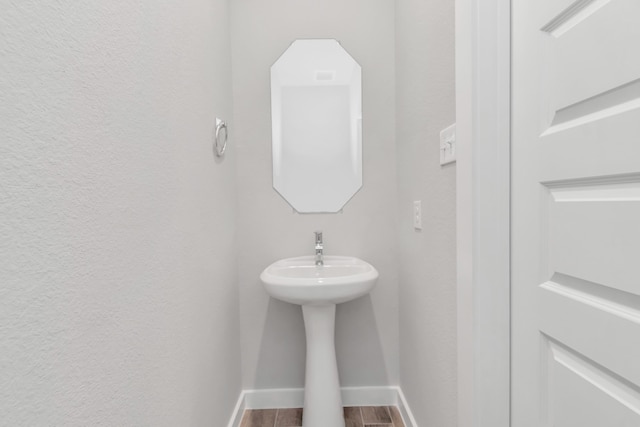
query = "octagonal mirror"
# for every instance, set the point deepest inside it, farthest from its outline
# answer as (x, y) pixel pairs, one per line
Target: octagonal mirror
(316, 112)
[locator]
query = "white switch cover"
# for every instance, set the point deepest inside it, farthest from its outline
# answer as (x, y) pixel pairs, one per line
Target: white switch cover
(417, 215)
(448, 145)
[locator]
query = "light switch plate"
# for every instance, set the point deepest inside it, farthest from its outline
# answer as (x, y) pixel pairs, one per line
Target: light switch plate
(448, 145)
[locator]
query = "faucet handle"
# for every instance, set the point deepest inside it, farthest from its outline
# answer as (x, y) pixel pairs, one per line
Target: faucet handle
(318, 236)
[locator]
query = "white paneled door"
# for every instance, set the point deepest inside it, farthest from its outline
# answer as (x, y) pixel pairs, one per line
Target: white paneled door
(576, 213)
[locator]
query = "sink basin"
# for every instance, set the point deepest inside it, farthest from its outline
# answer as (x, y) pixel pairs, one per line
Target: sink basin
(299, 281)
(318, 289)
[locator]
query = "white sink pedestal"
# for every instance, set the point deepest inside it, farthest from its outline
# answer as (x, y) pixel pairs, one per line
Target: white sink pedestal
(318, 288)
(322, 399)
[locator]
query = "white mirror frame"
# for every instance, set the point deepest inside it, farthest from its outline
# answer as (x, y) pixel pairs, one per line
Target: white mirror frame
(316, 112)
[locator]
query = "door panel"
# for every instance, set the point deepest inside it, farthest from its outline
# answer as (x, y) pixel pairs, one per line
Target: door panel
(582, 58)
(590, 236)
(576, 213)
(582, 393)
(584, 317)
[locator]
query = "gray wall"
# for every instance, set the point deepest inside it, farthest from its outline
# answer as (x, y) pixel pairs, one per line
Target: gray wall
(118, 294)
(425, 100)
(273, 342)
(119, 297)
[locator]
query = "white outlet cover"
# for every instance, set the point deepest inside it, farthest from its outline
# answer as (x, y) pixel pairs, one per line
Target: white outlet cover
(448, 145)
(417, 214)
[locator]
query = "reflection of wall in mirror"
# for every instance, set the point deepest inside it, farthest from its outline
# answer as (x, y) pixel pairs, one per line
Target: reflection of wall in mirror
(316, 136)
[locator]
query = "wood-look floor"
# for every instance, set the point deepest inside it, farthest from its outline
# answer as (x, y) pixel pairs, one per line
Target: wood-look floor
(354, 416)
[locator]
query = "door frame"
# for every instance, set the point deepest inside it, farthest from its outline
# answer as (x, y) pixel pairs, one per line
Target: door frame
(483, 116)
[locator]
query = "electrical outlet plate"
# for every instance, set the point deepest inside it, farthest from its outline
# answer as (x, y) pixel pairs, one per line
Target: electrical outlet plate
(417, 215)
(448, 145)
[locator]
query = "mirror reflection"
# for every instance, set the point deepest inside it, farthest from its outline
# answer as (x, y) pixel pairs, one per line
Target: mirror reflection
(316, 110)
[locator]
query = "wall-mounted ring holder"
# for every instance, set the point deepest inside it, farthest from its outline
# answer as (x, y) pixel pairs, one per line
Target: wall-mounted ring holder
(220, 141)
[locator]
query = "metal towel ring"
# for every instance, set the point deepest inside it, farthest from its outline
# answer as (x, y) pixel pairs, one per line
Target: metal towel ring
(220, 144)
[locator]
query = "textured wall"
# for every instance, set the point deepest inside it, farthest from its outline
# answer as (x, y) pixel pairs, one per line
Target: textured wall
(273, 342)
(118, 298)
(425, 105)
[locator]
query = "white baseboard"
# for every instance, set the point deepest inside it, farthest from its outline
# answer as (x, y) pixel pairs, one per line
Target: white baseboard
(405, 411)
(236, 416)
(274, 398)
(294, 398)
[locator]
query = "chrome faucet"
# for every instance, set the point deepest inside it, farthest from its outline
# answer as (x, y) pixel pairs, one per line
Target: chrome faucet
(319, 249)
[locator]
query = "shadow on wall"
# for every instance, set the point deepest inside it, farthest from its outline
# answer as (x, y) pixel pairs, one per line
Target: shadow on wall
(281, 361)
(282, 349)
(359, 350)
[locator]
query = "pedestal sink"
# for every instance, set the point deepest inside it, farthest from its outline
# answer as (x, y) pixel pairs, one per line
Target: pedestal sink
(318, 288)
